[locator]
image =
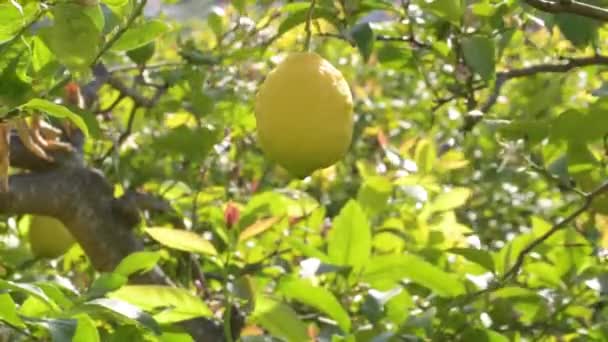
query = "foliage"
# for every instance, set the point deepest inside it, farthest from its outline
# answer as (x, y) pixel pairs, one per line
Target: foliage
(470, 206)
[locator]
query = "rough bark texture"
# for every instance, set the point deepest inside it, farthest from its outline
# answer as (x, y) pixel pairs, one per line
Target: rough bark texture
(83, 200)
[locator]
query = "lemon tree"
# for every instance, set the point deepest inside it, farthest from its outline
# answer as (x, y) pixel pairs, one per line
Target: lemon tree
(304, 170)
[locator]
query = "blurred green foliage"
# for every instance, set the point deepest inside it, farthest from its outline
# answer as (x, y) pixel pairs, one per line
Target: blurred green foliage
(479, 125)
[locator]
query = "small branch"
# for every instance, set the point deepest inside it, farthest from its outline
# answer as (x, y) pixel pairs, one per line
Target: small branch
(553, 178)
(556, 227)
(504, 76)
(406, 39)
(108, 45)
(572, 7)
(308, 24)
(23, 30)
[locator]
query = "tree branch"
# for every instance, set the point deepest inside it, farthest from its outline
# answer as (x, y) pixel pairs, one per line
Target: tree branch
(554, 229)
(505, 76)
(572, 7)
(84, 201)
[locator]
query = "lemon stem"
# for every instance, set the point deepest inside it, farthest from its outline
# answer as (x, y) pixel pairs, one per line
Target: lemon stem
(308, 24)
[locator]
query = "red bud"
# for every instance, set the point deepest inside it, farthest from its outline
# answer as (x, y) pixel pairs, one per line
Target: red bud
(231, 214)
(382, 139)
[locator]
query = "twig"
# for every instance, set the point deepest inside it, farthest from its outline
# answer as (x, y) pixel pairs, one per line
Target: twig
(556, 227)
(570, 6)
(148, 67)
(503, 77)
(545, 173)
(108, 45)
(123, 136)
(307, 27)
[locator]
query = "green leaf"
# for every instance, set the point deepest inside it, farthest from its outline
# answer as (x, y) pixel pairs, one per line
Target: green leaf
(449, 10)
(14, 91)
(182, 240)
(176, 304)
(192, 143)
(142, 261)
(279, 319)
(105, 283)
(215, 20)
(374, 193)
(479, 55)
(142, 54)
(8, 311)
(41, 55)
(478, 256)
(425, 156)
(12, 19)
(115, 3)
(579, 30)
(140, 35)
(29, 289)
(450, 200)
(57, 111)
(485, 335)
(385, 271)
(317, 297)
(300, 14)
(74, 38)
(124, 311)
(364, 38)
(570, 124)
(86, 330)
(60, 329)
(350, 238)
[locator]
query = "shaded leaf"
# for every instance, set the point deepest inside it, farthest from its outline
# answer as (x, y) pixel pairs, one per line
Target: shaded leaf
(479, 55)
(364, 37)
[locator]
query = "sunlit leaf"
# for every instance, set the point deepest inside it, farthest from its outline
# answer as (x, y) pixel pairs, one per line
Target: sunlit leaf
(385, 271)
(279, 319)
(173, 304)
(317, 297)
(182, 240)
(350, 239)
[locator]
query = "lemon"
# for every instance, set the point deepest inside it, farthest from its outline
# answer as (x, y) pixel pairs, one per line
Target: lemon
(304, 114)
(48, 237)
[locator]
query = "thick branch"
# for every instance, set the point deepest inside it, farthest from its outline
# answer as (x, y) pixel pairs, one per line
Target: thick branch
(84, 201)
(570, 6)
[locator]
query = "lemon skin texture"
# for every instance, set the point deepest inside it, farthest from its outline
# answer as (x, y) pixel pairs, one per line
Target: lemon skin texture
(48, 237)
(304, 114)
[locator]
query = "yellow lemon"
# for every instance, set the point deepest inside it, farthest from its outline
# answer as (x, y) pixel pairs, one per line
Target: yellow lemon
(48, 237)
(304, 114)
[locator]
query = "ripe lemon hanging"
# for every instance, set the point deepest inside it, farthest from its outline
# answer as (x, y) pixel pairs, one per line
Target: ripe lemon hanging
(48, 237)
(304, 114)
